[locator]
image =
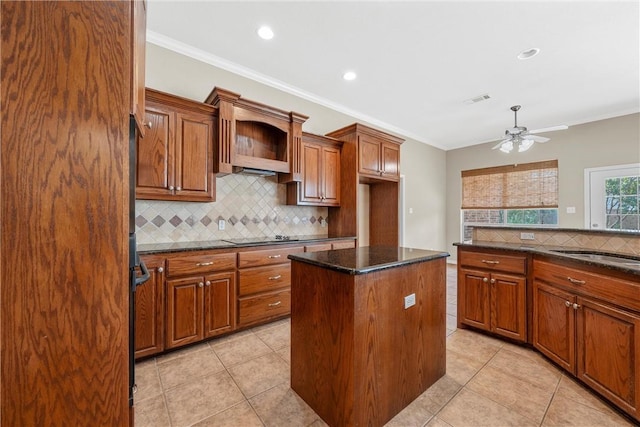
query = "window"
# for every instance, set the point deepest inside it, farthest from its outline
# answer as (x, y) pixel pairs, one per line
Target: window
(612, 199)
(513, 195)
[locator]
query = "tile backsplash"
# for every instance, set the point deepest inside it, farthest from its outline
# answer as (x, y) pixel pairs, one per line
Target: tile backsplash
(250, 206)
(627, 243)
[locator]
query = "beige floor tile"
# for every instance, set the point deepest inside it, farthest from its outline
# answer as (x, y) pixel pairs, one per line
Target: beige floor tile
(181, 352)
(416, 414)
(277, 337)
(514, 393)
(438, 395)
(469, 409)
(233, 352)
(567, 412)
(260, 374)
(461, 367)
(241, 414)
(189, 367)
(437, 422)
(318, 423)
(281, 406)
(152, 413)
(202, 398)
(570, 389)
(147, 381)
(285, 353)
(473, 344)
(535, 371)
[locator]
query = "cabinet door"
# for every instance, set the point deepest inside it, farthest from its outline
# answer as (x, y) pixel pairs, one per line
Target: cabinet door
(473, 299)
(138, 40)
(508, 307)
(311, 186)
(390, 161)
(608, 348)
(331, 176)
(369, 156)
(219, 302)
(554, 325)
(155, 155)
(194, 157)
(184, 311)
(149, 310)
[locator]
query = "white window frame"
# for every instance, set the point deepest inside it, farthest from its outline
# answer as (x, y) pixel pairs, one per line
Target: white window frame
(589, 173)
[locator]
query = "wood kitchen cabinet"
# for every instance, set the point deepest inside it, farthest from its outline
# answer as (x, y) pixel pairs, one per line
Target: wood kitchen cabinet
(492, 293)
(149, 311)
(378, 158)
(579, 324)
(334, 245)
(175, 156)
(320, 185)
(199, 306)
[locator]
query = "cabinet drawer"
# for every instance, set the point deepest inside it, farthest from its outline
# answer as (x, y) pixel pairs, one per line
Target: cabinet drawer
(489, 261)
(344, 245)
(264, 306)
(199, 264)
(266, 256)
(618, 291)
(318, 247)
(261, 279)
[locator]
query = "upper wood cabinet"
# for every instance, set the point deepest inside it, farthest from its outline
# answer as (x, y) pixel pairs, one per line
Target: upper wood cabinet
(175, 156)
(254, 135)
(320, 185)
(378, 158)
(138, 50)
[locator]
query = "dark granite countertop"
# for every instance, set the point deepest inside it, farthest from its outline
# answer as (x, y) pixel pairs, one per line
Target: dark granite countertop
(367, 259)
(152, 248)
(628, 263)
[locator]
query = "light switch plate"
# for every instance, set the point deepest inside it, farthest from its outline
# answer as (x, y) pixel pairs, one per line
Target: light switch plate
(409, 301)
(221, 224)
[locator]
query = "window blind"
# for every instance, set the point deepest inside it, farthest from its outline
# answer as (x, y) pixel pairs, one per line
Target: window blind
(521, 186)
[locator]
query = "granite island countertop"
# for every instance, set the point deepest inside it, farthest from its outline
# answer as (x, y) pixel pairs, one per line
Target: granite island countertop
(367, 259)
(152, 248)
(632, 266)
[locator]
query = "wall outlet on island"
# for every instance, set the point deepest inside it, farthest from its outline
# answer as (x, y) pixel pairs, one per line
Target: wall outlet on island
(221, 224)
(409, 300)
(527, 236)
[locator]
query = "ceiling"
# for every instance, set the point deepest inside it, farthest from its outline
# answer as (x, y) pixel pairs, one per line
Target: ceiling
(417, 62)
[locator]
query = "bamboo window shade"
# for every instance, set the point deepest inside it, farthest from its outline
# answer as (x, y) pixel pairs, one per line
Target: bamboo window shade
(520, 186)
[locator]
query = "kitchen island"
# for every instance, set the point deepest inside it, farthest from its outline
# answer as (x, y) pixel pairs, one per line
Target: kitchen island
(367, 330)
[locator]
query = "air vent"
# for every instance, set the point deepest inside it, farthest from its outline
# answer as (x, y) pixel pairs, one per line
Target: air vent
(476, 99)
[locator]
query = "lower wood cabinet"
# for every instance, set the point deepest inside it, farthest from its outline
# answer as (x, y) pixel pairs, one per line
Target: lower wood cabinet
(594, 339)
(149, 310)
(199, 307)
(492, 293)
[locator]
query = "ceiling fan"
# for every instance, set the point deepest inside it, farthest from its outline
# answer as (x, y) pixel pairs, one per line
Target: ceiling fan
(519, 136)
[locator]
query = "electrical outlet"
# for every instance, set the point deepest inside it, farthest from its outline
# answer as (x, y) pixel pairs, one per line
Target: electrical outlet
(221, 224)
(527, 236)
(409, 301)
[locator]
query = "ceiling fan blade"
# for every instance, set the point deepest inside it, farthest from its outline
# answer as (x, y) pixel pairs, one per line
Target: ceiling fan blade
(537, 138)
(549, 129)
(499, 144)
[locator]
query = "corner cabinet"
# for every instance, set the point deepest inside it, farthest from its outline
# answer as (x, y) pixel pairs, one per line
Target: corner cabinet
(254, 135)
(149, 310)
(589, 324)
(175, 155)
(492, 292)
(320, 185)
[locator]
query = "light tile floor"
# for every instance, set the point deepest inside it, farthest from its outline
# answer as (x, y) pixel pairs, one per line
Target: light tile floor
(243, 380)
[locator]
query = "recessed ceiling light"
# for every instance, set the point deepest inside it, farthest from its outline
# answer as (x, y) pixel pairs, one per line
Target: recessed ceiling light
(349, 75)
(265, 32)
(529, 53)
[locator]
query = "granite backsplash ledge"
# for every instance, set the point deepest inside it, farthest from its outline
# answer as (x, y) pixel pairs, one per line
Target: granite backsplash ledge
(250, 206)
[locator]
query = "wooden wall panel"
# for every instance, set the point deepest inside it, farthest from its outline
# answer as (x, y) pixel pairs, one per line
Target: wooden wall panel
(64, 299)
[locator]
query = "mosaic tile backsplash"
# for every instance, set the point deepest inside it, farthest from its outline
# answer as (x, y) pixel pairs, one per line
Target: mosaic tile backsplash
(582, 239)
(250, 206)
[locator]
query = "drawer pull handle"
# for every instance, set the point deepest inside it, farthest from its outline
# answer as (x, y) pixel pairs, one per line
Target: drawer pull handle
(204, 264)
(487, 261)
(576, 281)
(275, 277)
(274, 256)
(275, 304)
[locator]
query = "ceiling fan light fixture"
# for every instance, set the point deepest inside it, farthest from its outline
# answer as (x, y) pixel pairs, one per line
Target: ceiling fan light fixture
(524, 145)
(506, 147)
(528, 53)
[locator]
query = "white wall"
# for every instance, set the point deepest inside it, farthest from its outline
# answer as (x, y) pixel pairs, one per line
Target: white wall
(423, 166)
(601, 143)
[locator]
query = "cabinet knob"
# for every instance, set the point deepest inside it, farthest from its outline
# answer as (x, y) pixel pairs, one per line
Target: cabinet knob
(200, 285)
(576, 306)
(148, 125)
(178, 188)
(208, 283)
(567, 303)
(493, 281)
(160, 269)
(171, 188)
(485, 280)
